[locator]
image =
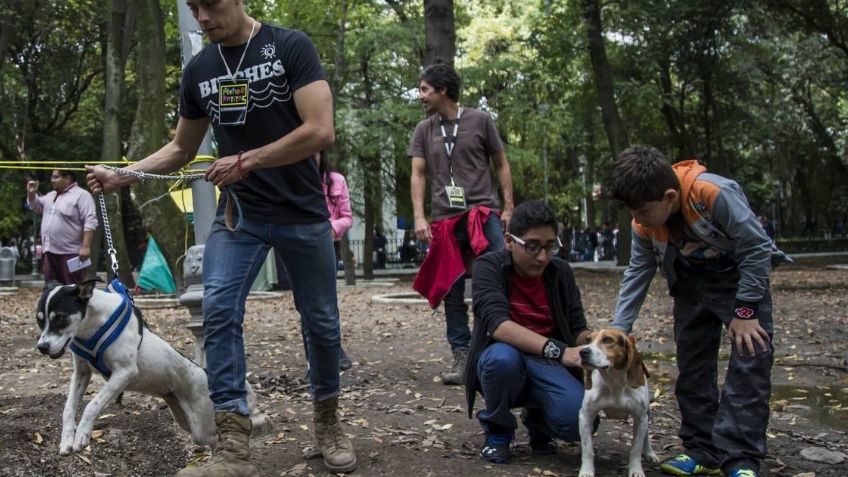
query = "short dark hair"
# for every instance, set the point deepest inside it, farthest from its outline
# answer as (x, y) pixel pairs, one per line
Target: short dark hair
(531, 214)
(442, 75)
(67, 173)
(640, 174)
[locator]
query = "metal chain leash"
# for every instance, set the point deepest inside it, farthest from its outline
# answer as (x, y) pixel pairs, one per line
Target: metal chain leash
(113, 254)
(107, 230)
(146, 175)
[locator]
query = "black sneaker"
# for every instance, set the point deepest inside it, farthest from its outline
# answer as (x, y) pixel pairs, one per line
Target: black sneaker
(496, 448)
(542, 445)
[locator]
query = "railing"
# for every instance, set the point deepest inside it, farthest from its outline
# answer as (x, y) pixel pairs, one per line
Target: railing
(396, 253)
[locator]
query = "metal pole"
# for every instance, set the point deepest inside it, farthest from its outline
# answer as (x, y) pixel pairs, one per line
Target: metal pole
(203, 193)
(203, 199)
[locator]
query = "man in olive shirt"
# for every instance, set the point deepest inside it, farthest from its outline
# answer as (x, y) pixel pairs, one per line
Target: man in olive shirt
(455, 145)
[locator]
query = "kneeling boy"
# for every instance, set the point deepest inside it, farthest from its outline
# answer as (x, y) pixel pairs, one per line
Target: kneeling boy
(528, 323)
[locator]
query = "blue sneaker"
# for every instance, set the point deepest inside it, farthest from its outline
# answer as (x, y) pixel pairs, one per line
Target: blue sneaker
(496, 448)
(685, 465)
(743, 473)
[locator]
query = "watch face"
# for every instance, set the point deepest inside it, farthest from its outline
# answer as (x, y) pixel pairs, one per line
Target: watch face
(551, 351)
(744, 312)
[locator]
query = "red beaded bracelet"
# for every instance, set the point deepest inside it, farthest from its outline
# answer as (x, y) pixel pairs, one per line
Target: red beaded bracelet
(241, 171)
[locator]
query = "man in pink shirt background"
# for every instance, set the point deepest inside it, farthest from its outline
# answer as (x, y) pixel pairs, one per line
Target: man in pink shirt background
(68, 223)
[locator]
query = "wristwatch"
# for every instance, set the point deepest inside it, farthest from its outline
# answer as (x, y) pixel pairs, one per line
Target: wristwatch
(553, 349)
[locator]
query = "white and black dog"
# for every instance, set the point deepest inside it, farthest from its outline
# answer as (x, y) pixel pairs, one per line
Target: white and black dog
(109, 328)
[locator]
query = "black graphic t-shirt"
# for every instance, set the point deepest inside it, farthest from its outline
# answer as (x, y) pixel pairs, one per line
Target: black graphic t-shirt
(277, 63)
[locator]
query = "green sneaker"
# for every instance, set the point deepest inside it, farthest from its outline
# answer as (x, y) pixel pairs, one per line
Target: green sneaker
(685, 465)
(743, 473)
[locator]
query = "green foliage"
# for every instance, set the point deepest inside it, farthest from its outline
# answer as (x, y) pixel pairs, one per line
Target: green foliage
(15, 217)
(756, 90)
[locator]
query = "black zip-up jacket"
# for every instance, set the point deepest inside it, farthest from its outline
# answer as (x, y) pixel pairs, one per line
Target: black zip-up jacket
(491, 288)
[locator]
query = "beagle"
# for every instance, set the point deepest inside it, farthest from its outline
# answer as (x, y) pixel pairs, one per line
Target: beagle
(616, 384)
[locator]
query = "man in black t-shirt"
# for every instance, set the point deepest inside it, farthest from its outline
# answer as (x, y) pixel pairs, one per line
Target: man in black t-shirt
(265, 94)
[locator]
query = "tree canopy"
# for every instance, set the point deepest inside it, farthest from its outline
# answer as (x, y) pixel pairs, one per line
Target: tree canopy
(755, 90)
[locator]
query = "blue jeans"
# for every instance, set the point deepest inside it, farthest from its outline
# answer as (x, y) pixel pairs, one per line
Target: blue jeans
(456, 311)
(510, 378)
(230, 264)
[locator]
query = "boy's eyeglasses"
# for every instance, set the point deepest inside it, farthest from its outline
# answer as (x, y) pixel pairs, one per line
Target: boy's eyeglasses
(533, 247)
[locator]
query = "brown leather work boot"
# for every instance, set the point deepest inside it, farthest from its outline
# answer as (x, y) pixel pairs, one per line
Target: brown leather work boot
(456, 375)
(232, 454)
(330, 439)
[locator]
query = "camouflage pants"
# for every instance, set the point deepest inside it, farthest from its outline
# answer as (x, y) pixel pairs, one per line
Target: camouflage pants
(726, 430)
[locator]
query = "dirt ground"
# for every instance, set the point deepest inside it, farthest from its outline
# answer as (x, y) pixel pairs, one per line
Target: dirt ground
(403, 421)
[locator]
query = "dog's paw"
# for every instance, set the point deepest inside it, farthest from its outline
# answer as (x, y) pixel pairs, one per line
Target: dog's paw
(65, 448)
(651, 457)
(81, 441)
(636, 472)
(587, 472)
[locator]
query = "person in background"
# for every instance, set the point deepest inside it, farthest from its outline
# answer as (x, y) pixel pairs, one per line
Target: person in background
(69, 219)
(380, 244)
(607, 245)
(767, 226)
(341, 220)
(457, 145)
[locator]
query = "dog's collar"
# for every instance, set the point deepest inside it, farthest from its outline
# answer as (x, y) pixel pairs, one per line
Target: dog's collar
(94, 348)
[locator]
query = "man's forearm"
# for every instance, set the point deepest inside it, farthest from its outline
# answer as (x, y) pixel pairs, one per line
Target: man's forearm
(87, 237)
(33, 202)
(505, 179)
(417, 191)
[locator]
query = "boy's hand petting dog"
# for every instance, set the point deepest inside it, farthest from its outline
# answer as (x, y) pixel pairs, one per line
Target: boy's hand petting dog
(744, 333)
(571, 356)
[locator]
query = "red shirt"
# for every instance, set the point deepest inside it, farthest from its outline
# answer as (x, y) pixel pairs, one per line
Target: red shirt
(528, 303)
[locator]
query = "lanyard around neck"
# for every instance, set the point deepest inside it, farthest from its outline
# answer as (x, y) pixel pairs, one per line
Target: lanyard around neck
(450, 145)
(238, 67)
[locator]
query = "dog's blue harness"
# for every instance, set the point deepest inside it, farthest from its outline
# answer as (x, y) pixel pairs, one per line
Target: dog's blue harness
(93, 349)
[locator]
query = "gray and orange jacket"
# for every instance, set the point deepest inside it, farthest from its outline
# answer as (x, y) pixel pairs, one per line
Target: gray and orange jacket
(715, 211)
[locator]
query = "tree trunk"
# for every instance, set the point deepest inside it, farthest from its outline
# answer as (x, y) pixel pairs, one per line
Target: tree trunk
(111, 132)
(439, 33)
(674, 121)
(335, 80)
(613, 125)
(162, 218)
(371, 172)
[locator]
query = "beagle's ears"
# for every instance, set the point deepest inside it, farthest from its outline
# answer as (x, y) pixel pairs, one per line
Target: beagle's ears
(635, 368)
(587, 379)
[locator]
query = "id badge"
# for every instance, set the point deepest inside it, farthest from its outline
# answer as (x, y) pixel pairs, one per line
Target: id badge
(233, 99)
(456, 197)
